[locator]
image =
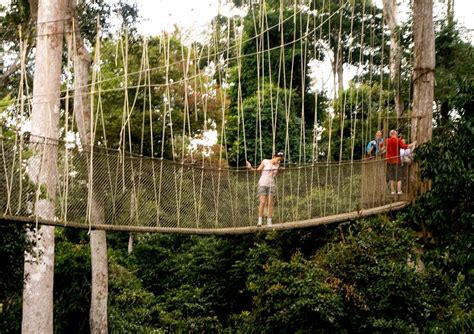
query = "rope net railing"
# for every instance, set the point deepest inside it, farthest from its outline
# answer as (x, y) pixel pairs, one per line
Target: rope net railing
(149, 194)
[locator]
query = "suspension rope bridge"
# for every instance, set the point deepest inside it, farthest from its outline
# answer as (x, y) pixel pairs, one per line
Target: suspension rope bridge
(155, 195)
(178, 190)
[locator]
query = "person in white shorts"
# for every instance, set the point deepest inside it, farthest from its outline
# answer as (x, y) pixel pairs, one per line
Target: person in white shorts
(267, 186)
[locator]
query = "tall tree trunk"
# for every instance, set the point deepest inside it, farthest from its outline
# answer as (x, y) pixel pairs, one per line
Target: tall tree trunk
(390, 16)
(39, 262)
(450, 12)
(423, 70)
(423, 80)
(100, 281)
(340, 72)
(98, 241)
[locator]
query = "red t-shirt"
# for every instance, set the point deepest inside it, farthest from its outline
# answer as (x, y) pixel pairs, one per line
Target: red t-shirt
(393, 150)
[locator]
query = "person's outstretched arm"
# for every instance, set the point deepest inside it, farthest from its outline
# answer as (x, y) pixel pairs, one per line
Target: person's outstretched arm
(249, 166)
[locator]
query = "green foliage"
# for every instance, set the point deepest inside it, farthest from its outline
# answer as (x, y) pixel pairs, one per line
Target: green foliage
(163, 110)
(448, 208)
(289, 296)
(261, 115)
(193, 278)
(72, 277)
(13, 245)
(20, 20)
(454, 90)
(447, 212)
(364, 108)
(374, 268)
(132, 308)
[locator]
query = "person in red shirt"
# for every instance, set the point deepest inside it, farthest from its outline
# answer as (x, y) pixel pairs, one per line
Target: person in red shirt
(394, 171)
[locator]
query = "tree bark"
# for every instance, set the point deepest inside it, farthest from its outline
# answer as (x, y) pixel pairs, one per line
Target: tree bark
(130, 243)
(100, 282)
(98, 240)
(450, 12)
(390, 16)
(423, 70)
(42, 168)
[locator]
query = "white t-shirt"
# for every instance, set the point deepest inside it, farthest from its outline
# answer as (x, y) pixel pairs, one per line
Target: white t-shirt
(405, 153)
(267, 179)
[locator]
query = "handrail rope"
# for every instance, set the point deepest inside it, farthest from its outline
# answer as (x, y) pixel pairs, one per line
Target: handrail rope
(172, 136)
(124, 107)
(240, 114)
(224, 134)
(353, 135)
(150, 116)
(8, 182)
(342, 95)
(186, 116)
(330, 125)
(281, 74)
(215, 40)
(142, 136)
(371, 73)
(65, 194)
(233, 197)
(24, 87)
(315, 146)
(302, 140)
(288, 112)
(195, 197)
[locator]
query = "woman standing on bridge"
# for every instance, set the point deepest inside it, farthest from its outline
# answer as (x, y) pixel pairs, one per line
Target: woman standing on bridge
(267, 186)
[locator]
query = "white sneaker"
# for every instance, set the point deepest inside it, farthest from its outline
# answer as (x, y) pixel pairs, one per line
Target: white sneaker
(259, 222)
(400, 193)
(392, 193)
(269, 223)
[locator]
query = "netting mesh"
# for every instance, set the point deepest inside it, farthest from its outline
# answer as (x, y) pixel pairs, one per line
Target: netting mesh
(139, 192)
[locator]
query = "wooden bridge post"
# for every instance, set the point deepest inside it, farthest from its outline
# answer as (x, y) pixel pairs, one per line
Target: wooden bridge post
(373, 183)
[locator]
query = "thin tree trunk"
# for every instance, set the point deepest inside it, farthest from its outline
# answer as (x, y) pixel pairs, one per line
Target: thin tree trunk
(423, 70)
(450, 12)
(340, 71)
(390, 16)
(42, 169)
(130, 243)
(98, 240)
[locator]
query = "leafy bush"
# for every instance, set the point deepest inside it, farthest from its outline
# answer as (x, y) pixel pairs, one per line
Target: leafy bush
(374, 266)
(13, 244)
(447, 213)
